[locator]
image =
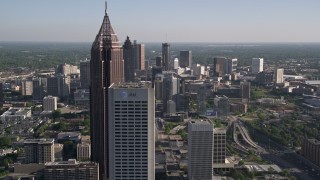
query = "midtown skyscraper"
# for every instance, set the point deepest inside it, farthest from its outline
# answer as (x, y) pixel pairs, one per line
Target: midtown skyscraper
(128, 60)
(134, 58)
(166, 56)
(106, 67)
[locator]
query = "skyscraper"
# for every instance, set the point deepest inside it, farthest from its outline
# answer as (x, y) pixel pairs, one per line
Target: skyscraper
(134, 58)
(223, 65)
(200, 149)
(85, 74)
(58, 85)
(185, 59)
(131, 131)
(159, 61)
(278, 75)
(257, 65)
(166, 56)
(219, 146)
(128, 61)
(26, 88)
(1, 95)
(38, 89)
(171, 89)
(231, 65)
(219, 64)
(106, 67)
(138, 56)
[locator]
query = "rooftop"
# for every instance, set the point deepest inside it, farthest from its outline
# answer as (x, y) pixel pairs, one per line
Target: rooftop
(39, 141)
(126, 85)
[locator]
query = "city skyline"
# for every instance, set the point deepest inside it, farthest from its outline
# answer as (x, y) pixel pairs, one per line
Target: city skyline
(165, 21)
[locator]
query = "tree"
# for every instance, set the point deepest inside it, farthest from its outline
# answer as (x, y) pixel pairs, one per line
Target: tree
(261, 116)
(168, 127)
(69, 150)
(5, 142)
(240, 163)
(182, 133)
(56, 114)
(61, 126)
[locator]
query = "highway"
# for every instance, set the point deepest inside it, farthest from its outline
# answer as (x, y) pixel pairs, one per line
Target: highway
(244, 133)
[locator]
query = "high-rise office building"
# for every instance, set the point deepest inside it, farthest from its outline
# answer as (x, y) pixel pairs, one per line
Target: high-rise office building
(171, 89)
(138, 56)
(1, 95)
(278, 75)
(222, 104)
(128, 61)
(49, 103)
(265, 78)
(175, 63)
(134, 57)
(71, 169)
(166, 56)
(39, 150)
(38, 89)
(158, 86)
(219, 146)
(200, 149)
(256, 65)
(219, 64)
(159, 61)
(223, 65)
(245, 91)
(58, 85)
(85, 74)
(231, 65)
(185, 59)
(106, 67)
(66, 69)
(155, 70)
(131, 131)
(26, 88)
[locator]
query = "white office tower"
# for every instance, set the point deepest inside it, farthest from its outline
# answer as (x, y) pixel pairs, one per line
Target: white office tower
(257, 65)
(176, 63)
(279, 76)
(131, 131)
(200, 149)
(49, 103)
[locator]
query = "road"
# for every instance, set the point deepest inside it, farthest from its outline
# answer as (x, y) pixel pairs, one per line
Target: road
(286, 158)
(283, 156)
(297, 167)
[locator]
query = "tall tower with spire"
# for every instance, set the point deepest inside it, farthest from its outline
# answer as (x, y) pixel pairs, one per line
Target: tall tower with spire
(106, 67)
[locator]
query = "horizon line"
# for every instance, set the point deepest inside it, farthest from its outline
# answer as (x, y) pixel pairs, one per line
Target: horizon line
(177, 42)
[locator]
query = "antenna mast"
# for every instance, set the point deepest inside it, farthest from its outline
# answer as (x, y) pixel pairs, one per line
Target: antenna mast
(106, 5)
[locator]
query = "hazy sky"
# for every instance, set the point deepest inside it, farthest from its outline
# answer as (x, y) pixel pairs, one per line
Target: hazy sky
(158, 20)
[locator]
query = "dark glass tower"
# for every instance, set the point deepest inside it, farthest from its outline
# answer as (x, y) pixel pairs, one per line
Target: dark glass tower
(166, 56)
(106, 67)
(128, 61)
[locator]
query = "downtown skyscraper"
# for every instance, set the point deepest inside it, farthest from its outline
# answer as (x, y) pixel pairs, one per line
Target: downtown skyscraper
(134, 59)
(131, 131)
(106, 67)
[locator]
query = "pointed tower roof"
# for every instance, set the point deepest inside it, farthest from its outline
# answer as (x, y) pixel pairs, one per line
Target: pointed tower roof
(106, 36)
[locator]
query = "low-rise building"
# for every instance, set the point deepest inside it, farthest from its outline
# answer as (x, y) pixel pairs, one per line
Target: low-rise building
(16, 114)
(83, 151)
(71, 169)
(39, 150)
